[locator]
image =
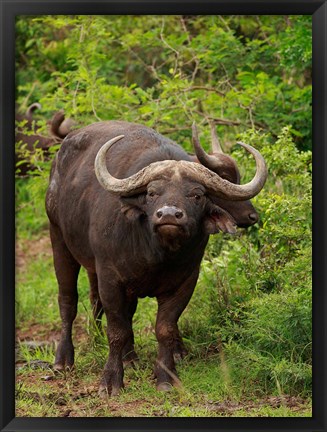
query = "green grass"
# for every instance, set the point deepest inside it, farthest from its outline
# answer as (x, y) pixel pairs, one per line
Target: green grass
(216, 381)
(206, 392)
(247, 326)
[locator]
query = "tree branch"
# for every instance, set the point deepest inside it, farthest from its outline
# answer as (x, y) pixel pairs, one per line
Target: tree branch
(210, 89)
(221, 121)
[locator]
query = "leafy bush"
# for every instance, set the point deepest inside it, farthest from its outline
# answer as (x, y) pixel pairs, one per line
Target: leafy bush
(156, 69)
(252, 305)
(255, 289)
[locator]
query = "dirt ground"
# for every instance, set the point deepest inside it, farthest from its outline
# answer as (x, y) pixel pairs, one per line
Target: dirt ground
(71, 396)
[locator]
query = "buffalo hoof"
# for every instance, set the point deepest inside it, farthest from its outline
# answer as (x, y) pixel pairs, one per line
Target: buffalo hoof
(59, 368)
(105, 392)
(164, 387)
(64, 356)
(111, 382)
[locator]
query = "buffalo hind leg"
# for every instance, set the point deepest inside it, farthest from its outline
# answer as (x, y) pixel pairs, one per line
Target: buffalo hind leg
(67, 269)
(179, 350)
(167, 333)
(129, 354)
(97, 309)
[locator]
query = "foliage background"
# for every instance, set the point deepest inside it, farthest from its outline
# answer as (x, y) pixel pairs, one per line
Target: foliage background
(249, 321)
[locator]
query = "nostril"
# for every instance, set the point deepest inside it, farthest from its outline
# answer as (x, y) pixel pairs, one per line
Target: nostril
(169, 214)
(253, 217)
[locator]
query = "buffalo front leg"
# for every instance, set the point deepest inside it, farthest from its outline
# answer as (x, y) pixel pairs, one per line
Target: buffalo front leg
(167, 333)
(67, 269)
(129, 355)
(119, 332)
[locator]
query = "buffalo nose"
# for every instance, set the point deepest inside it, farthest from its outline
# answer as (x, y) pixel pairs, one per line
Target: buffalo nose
(169, 211)
(253, 217)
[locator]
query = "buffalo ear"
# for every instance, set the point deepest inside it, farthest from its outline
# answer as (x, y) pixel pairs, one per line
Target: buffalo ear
(133, 207)
(217, 220)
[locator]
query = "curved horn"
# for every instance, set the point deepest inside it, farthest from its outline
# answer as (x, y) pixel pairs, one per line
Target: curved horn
(231, 191)
(214, 163)
(66, 126)
(215, 144)
(259, 180)
(137, 182)
(216, 185)
(31, 108)
(55, 123)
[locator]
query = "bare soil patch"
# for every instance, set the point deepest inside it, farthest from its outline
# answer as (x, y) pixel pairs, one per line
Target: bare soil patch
(71, 397)
(27, 250)
(230, 408)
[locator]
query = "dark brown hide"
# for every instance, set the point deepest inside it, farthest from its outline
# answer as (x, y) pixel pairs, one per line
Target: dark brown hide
(150, 244)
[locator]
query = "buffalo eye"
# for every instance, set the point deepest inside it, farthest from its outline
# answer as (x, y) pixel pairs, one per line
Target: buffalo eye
(196, 197)
(152, 194)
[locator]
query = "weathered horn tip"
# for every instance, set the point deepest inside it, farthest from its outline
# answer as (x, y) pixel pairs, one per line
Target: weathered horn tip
(113, 140)
(194, 130)
(259, 158)
(34, 106)
(246, 146)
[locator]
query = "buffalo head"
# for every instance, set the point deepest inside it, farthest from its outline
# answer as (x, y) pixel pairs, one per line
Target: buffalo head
(243, 212)
(183, 199)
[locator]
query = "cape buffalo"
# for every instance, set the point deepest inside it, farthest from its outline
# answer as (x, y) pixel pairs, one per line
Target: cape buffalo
(135, 210)
(29, 138)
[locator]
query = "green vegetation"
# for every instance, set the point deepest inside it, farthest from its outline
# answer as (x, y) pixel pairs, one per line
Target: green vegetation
(248, 325)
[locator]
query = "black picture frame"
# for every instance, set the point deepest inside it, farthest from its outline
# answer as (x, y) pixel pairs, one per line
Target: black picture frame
(10, 9)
